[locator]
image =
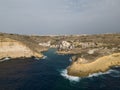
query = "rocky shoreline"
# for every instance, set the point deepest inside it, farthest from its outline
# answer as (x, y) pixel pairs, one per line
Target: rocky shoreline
(83, 68)
(10, 48)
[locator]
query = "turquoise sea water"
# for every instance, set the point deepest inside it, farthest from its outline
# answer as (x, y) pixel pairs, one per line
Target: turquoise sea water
(50, 74)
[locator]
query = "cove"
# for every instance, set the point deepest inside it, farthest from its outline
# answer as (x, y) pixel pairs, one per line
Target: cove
(46, 74)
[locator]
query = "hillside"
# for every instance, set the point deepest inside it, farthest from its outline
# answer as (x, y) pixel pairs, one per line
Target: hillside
(17, 46)
(99, 65)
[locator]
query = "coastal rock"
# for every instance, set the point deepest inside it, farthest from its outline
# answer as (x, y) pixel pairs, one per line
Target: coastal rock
(47, 44)
(81, 61)
(91, 51)
(102, 64)
(15, 49)
(65, 44)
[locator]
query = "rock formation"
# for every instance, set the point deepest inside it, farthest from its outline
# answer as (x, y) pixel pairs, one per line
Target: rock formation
(64, 45)
(47, 44)
(82, 68)
(15, 49)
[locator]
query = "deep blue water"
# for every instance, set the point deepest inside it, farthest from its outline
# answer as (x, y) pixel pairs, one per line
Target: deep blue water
(49, 74)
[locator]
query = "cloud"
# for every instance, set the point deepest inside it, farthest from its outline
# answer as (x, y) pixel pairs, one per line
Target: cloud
(59, 16)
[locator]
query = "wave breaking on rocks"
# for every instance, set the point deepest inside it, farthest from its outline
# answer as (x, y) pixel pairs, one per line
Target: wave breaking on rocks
(69, 77)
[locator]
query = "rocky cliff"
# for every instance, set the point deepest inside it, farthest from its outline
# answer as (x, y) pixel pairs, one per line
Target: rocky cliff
(82, 67)
(15, 49)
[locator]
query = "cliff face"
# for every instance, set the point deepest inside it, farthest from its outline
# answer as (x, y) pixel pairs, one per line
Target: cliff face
(15, 49)
(82, 68)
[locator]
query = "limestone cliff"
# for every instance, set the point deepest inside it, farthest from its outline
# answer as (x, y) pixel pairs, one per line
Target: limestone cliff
(15, 49)
(82, 68)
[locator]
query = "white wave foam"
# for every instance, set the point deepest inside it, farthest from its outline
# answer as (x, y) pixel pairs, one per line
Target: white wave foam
(39, 58)
(44, 57)
(115, 73)
(95, 74)
(36, 58)
(111, 72)
(117, 66)
(5, 59)
(70, 59)
(101, 73)
(71, 78)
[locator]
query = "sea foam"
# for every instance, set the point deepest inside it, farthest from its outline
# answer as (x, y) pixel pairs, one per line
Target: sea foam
(39, 58)
(5, 59)
(71, 78)
(110, 72)
(70, 59)
(44, 57)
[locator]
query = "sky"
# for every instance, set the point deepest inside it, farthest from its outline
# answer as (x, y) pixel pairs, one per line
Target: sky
(51, 17)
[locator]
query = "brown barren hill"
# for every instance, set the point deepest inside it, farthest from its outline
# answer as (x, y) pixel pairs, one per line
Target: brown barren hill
(16, 49)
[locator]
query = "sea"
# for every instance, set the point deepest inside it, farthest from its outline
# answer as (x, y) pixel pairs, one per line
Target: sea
(49, 73)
